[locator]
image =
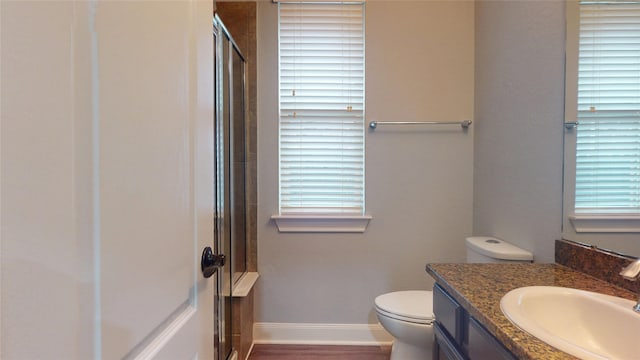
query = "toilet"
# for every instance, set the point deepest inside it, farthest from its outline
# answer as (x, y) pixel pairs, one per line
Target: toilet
(408, 315)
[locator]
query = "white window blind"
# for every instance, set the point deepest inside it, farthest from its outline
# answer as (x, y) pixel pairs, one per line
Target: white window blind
(608, 137)
(321, 158)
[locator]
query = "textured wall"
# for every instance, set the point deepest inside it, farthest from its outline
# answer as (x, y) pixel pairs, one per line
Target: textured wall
(419, 180)
(519, 111)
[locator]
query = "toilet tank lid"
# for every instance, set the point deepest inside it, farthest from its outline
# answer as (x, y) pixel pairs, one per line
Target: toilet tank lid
(497, 248)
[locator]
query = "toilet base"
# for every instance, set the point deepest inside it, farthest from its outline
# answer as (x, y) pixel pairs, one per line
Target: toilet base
(404, 351)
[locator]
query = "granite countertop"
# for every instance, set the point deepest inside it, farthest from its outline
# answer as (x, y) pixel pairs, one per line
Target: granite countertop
(479, 288)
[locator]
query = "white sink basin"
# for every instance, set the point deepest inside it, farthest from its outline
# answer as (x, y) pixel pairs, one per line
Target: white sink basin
(584, 324)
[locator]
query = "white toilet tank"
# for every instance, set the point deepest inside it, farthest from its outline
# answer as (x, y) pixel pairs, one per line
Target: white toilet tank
(487, 249)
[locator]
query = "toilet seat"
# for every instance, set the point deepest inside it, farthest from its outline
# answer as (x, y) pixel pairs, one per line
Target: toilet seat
(412, 306)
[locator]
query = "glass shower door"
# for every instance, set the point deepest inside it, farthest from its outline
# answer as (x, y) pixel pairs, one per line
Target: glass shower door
(230, 176)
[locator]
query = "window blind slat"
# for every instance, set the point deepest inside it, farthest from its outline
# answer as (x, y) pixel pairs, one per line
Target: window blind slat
(608, 138)
(321, 71)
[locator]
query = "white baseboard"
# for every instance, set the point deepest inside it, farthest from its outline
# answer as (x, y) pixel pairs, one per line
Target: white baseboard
(320, 334)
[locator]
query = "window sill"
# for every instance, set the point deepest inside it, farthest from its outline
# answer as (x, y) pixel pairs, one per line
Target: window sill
(600, 223)
(243, 287)
(322, 223)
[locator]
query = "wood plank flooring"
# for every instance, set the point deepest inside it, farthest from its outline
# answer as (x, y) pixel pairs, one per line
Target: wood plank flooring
(319, 352)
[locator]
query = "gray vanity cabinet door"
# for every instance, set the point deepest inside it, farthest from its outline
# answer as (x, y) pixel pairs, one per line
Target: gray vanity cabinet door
(449, 314)
(483, 345)
(444, 347)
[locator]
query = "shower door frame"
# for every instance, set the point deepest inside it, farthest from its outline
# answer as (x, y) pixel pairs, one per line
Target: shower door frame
(228, 216)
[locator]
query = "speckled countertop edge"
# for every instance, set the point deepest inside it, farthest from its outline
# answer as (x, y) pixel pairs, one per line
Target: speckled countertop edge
(479, 288)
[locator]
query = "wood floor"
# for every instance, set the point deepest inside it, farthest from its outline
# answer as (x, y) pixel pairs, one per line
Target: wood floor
(319, 352)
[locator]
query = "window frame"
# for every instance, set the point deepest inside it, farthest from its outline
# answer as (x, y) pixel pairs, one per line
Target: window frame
(581, 224)
(305, 221)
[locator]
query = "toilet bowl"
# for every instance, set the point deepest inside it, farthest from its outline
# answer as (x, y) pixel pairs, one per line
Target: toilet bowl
(408, 317)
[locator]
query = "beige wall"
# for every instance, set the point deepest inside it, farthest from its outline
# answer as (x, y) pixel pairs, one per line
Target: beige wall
(519, 111)
(504, 62)
(420, 58)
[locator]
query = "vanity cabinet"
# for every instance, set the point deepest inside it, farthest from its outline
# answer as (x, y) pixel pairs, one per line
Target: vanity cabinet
(460, 336)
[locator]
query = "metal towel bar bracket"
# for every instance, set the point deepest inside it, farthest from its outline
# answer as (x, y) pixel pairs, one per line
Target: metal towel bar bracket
(570, 124)
(464, 123)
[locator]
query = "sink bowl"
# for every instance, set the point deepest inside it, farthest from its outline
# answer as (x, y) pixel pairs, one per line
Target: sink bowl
(584, 324)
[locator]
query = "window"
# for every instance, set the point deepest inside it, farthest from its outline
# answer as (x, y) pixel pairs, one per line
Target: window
(321, 120)
(607, 151)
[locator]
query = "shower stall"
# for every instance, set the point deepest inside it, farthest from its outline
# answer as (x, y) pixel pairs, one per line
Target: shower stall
(230, 166)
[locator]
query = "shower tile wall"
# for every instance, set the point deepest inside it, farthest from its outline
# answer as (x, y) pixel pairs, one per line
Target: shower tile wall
(240, 20)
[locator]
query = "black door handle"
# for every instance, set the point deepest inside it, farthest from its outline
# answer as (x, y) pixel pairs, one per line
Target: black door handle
(211, 262)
